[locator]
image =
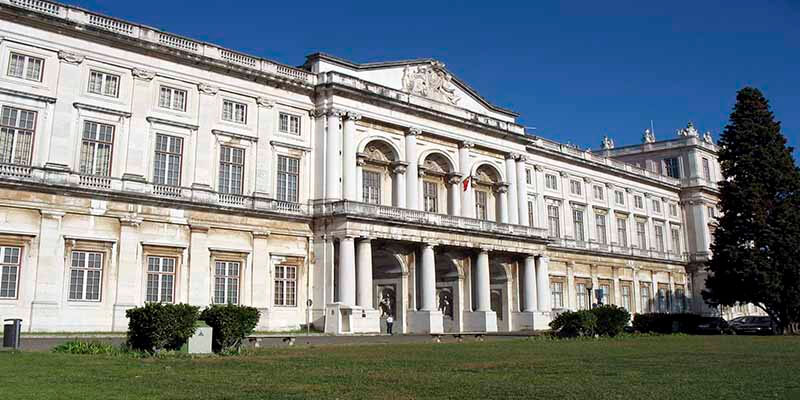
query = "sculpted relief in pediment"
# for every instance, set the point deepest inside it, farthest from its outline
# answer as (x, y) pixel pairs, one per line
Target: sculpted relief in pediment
(430, 81)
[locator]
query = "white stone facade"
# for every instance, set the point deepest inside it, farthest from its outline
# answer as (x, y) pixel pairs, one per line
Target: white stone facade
(142, 166)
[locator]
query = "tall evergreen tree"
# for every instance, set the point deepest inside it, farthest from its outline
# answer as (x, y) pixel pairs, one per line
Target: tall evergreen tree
(756, 249)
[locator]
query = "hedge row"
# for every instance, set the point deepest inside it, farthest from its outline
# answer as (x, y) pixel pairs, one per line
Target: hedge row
(608, 320)
(156, 326)
(666, 323)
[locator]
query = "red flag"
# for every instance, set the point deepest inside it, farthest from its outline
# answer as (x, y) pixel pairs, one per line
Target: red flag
(465, 183)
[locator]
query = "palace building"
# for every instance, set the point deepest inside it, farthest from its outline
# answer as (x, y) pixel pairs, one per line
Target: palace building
(139, 166)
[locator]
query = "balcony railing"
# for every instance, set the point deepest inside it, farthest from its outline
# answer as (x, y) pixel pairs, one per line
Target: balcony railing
(616, 249)
(344, 207)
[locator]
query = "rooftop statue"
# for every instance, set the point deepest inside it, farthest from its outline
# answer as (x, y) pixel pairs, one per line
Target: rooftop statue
(648, 136)
(707, 137)
(689, 131)
(608, 143)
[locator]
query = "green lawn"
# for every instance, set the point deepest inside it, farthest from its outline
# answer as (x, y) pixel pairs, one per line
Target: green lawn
(682, 367)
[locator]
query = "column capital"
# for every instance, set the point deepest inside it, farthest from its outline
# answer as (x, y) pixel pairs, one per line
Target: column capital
(143, 74)
(70, 58)
(265, 102)
(361, 159)
(511, 156)
(485, 249)
(362, 239)
(538, 167)
(352, 116)
(131, 220)
(563, 174)
(531, 257)
(334, 112)
(413, 131)
(454, 178)
(207, 89)
(399, 167)
(261, 234)
(501, 187)
(52, 214)
(198, 228)
(521, 158)
(587, 179)
(430, 243)
(466, 145)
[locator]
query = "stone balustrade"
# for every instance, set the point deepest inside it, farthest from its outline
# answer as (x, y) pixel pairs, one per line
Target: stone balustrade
(117, 26)
(616, 249)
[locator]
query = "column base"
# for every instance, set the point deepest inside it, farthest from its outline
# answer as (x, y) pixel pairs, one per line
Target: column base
(425, 322)
(480, 321)
(45, 317)
(531, 320)
(120, 321)
(342, 319)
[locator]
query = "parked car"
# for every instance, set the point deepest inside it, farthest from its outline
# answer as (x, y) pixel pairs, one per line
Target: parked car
(755, 326)
(713, 325)
(738, 321)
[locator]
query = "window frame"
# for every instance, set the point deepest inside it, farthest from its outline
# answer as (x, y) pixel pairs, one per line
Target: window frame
(626, 293)
(671, 167)
(580, 234)
(601, 230)
(160, 274)
(95, 142)
(638, 202)
(598, 192)
(84, 270)
(284, 192)
(430, 196)
(172, 91)
(168, 154)
(619, 197)
(4, 248)
(16, 131)
(658, 232)
(641, 235)
(554, 220)
(645, 297)
(233, 116)
(284, 281)
(103, 90)
(231, 164)
(622, 232)
(371, 186)
(575, 187)
(482, 205)
(531, 213)
(25, 66)
(227, 277)
(547, 181)
(676, 239)
(557, 294)
(706, 165)
(289, 117)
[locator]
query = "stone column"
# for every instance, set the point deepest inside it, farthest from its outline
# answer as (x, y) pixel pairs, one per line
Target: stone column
(264, 148)
(333, 154)
(428, 279)
(467, 196)
(482, 282)
(349, 156)
(543, 283)
(671, 294)
(572, 300)
(204, 142)
(49, 273)
(199, 266)
(412, 174)
(541, 207)
(617, 293)
(399, 169)
(522, 191)
(513, 197)
(529, 285)
(454, 194)
(595, 284)
(129, 271)
(502, 213)
(137, 143)
(64, 118)
(262, 296)
(347, 271)
(364, 273)
(637, 292)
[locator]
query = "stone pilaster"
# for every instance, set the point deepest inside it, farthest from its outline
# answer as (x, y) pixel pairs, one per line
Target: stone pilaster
(412, 174)
(349, 156)
(513, 198)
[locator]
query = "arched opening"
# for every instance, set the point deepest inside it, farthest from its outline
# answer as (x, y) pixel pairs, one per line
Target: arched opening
(500, 295)
(449, 297)
(439, 184)
(378, 170)
(389, 288)
(487, 183)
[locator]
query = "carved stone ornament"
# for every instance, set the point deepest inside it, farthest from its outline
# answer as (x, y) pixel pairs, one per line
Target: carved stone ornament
(353, 116)
(265, 102)
(207, 89)
(334, 112)
(70, 58)
(431, 81)
(512, 156)
(538, 168)
(522, 158)
(689, 131)
(413, 131)
(453, 178)
(607, 143)
(467, 145)
(648, 136)
(143, 74)
(707, 138)
(501, 187)
(399, 167)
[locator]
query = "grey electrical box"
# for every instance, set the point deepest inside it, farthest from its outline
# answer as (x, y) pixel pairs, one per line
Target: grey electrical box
(200, 342)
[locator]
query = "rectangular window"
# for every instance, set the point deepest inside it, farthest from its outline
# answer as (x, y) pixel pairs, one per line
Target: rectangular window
(680, 302)
(431, 196)
(16, 135)
(673, 210)
(641, 234)
(530, 214)
(638, 202)
(619, 197)
(671, 168)
(711, 212)
(528, 176)
(645, 294)
(657, 206)
(167, 160)
(659, 238)
(706, 169)
(103, 83)
(582, 296)
(600, 226)
(606, 297)
(575, 187)
(676, 240)
(85, 275)
(25, 67)
(598, 192)
(662, 297)
(10, 262)
(226, 282)
(551, 181)
(286, 285)
(234, 112)
(231, 170)
(557, 294)
(171, 98)
(288, 179)
(622, 232)
(553, 224)
(480, 205)
(371, 187)
(577, 219)
(288, 123)
(626, 297)
(160, 279)
(96, 148)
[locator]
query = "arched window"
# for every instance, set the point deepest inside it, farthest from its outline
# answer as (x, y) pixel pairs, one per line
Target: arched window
(377, 169)
(439, 184)
(486, 183)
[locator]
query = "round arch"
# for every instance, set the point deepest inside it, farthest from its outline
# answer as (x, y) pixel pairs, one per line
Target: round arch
(362, 145)
(436, 152)
(488, 164)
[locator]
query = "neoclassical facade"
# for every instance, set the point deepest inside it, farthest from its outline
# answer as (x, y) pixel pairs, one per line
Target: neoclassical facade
(141, 166)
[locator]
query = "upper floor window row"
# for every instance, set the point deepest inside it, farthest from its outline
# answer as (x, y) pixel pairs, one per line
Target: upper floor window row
(25, 67)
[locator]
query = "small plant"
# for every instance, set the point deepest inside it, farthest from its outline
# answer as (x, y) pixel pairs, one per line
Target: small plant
(611, 320)
(79, 347)
(231, 324)
(156, 326)
(571, 324)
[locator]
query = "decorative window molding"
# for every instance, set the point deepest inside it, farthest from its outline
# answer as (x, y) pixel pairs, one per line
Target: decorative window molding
(156, 120)
(234, 135)
(89, 107)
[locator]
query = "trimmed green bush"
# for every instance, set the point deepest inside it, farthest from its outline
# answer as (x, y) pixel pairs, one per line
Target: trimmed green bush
(79, 347)
(570, 324)
(611, 320)
(158, 326)
(666, 323)
(231, 324)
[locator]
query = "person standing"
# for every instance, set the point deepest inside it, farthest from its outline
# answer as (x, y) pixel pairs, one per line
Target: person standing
(389, 323)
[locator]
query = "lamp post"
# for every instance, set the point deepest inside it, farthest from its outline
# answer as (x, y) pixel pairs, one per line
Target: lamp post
(589, 297)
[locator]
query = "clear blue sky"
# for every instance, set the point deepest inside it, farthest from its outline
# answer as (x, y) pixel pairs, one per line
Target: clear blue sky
(575, 71)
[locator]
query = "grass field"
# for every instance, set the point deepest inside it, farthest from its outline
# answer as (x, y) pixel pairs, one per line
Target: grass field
(684, 367)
